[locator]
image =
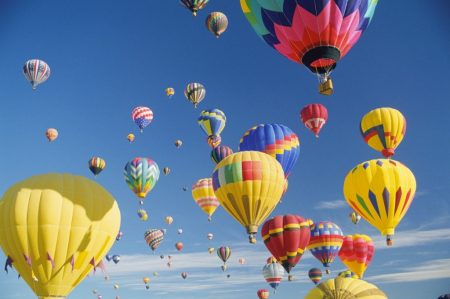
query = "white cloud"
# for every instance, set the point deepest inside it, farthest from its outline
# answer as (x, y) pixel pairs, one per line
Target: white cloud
(434, 269)
(331, 205)
(414, 238)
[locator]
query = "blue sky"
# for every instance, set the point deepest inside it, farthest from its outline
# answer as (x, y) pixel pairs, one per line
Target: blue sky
(109, 56)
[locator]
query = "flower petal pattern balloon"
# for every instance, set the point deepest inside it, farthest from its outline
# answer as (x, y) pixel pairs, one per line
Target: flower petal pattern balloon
(141, 175)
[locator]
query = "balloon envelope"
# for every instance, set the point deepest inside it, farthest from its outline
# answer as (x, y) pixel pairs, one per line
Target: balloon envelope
(345, 288)
(217, 23)
(36, 71)
(141, 175)
(203, 194)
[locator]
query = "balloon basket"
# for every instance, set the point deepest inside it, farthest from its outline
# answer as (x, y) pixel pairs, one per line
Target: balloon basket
(326, 88)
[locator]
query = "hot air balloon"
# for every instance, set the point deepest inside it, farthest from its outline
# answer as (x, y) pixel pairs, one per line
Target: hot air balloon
(119, 236)
(314, 117)
(161, 256)
(211, 250)
(345, 288)
(383, 130)
(354, 217)
(36, 71)
(273, 273)
(130, 137)
(241, 261)
(210, 236)
(179, 246)
(116, 259)
(286, 238)
(155, 274)
(169, 264)
(180, 231)
(54, 248)
(263, 294)
(212, 122)
(184, 275)
(220, 152)
(446, 296)
(94, 291)
(203, 194)
(142, 214)
(153, 237)
(194, 5)
(275, 140)
(224, 254)
(315, 33)
(178, 143)
(248, 185)
(168, 220)
(217, 23)
(51, 134)
(347, 274)
(99, 297)
(108, 257)
(96, 165)
(170, 92)
(141, 175)
(146, 280)
(195, 93)
(357, 252)
(166, 170)
(315, 275)
(326, 241)
(142, 116)
(147, 287)
(381, 191)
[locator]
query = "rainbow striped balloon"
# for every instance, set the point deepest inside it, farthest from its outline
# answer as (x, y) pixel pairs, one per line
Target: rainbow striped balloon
(315, 275)
(326, 241)
(217, 23)
(96, 165)
(203, 194)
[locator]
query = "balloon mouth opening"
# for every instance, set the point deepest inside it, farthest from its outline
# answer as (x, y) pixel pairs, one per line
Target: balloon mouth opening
(388, 152)
(322, 59)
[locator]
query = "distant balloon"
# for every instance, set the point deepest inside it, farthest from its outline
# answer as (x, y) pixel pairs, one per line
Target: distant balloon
(168, 220)
(211, 250)
(220, 152)
(116, 259)
(94, 291)
(178, 143)
(142, 116)
(224, 253)
(153, 237)
(179, 246)
(51, 134)
(166, 170)
(263, 294)
(184, 275)
(195, 93)
(169, 264)
(383, 130)
(273, 273)
(155, 274)
(142, 214)
(161, 256)
(116, 286)
(315, 275)
(108, 257)
(355, 218)
(141, 175)
(170, 92)
(194, 5)
(180, 231)
(210, 236)
(217, 23)
(119, 236)
(203, 195)
(96, 165)
(314, 117)
(241, 261)
(146, 280)
(36, 71)
(130, 137)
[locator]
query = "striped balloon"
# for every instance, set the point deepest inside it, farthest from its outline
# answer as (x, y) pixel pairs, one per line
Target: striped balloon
(224, 253)
(314, 117)
(326, 241)
(194, 5)
(315, 275)
(36, 71)
(154, 237)
(357, 252)
(220, 152)
(195, 93)
(96, 165)
(170, 92)
(142, 116)
(203, 194)
(141, 175)
(275, 140)
(273, 273)
(212, 121)
(217, 23)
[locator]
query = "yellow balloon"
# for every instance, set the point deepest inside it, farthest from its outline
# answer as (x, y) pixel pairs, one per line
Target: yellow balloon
(249, 185)
(203, 194)
(55, 228)
(381, 191)
(346, 288)
(383, 129)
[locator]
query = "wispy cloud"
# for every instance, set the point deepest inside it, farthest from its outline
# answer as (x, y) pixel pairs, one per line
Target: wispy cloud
(331, 205)
(434, 269)
(414, 238)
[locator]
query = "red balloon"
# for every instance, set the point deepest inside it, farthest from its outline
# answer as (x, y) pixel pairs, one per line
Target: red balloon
(179, 246)
(314, 117)
(263, 294)
(286, 237)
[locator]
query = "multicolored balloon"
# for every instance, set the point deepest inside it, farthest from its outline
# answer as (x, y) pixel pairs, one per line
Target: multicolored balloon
(36, 71)
(273, 273)
(286, 237)
(347, 274)
(170, 92)
(356, 253)
(241, 260)
(212, 122)
(141, 175)
(51, 134)
(346, 288)
(275, 140)
(142, 116)
(355, 217)
(96, 165)
(315, 275)
(224, 253)
(263, 294)
(203, 195)
(130, 137)
(220, 152)
(314, 117)
(315, 33)
(249, 177)
(217, 23)
(142, 214)
(383, 130)
(195, 93)
(381, 191)
(326, 241)
(194, 5)
(153, 237)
